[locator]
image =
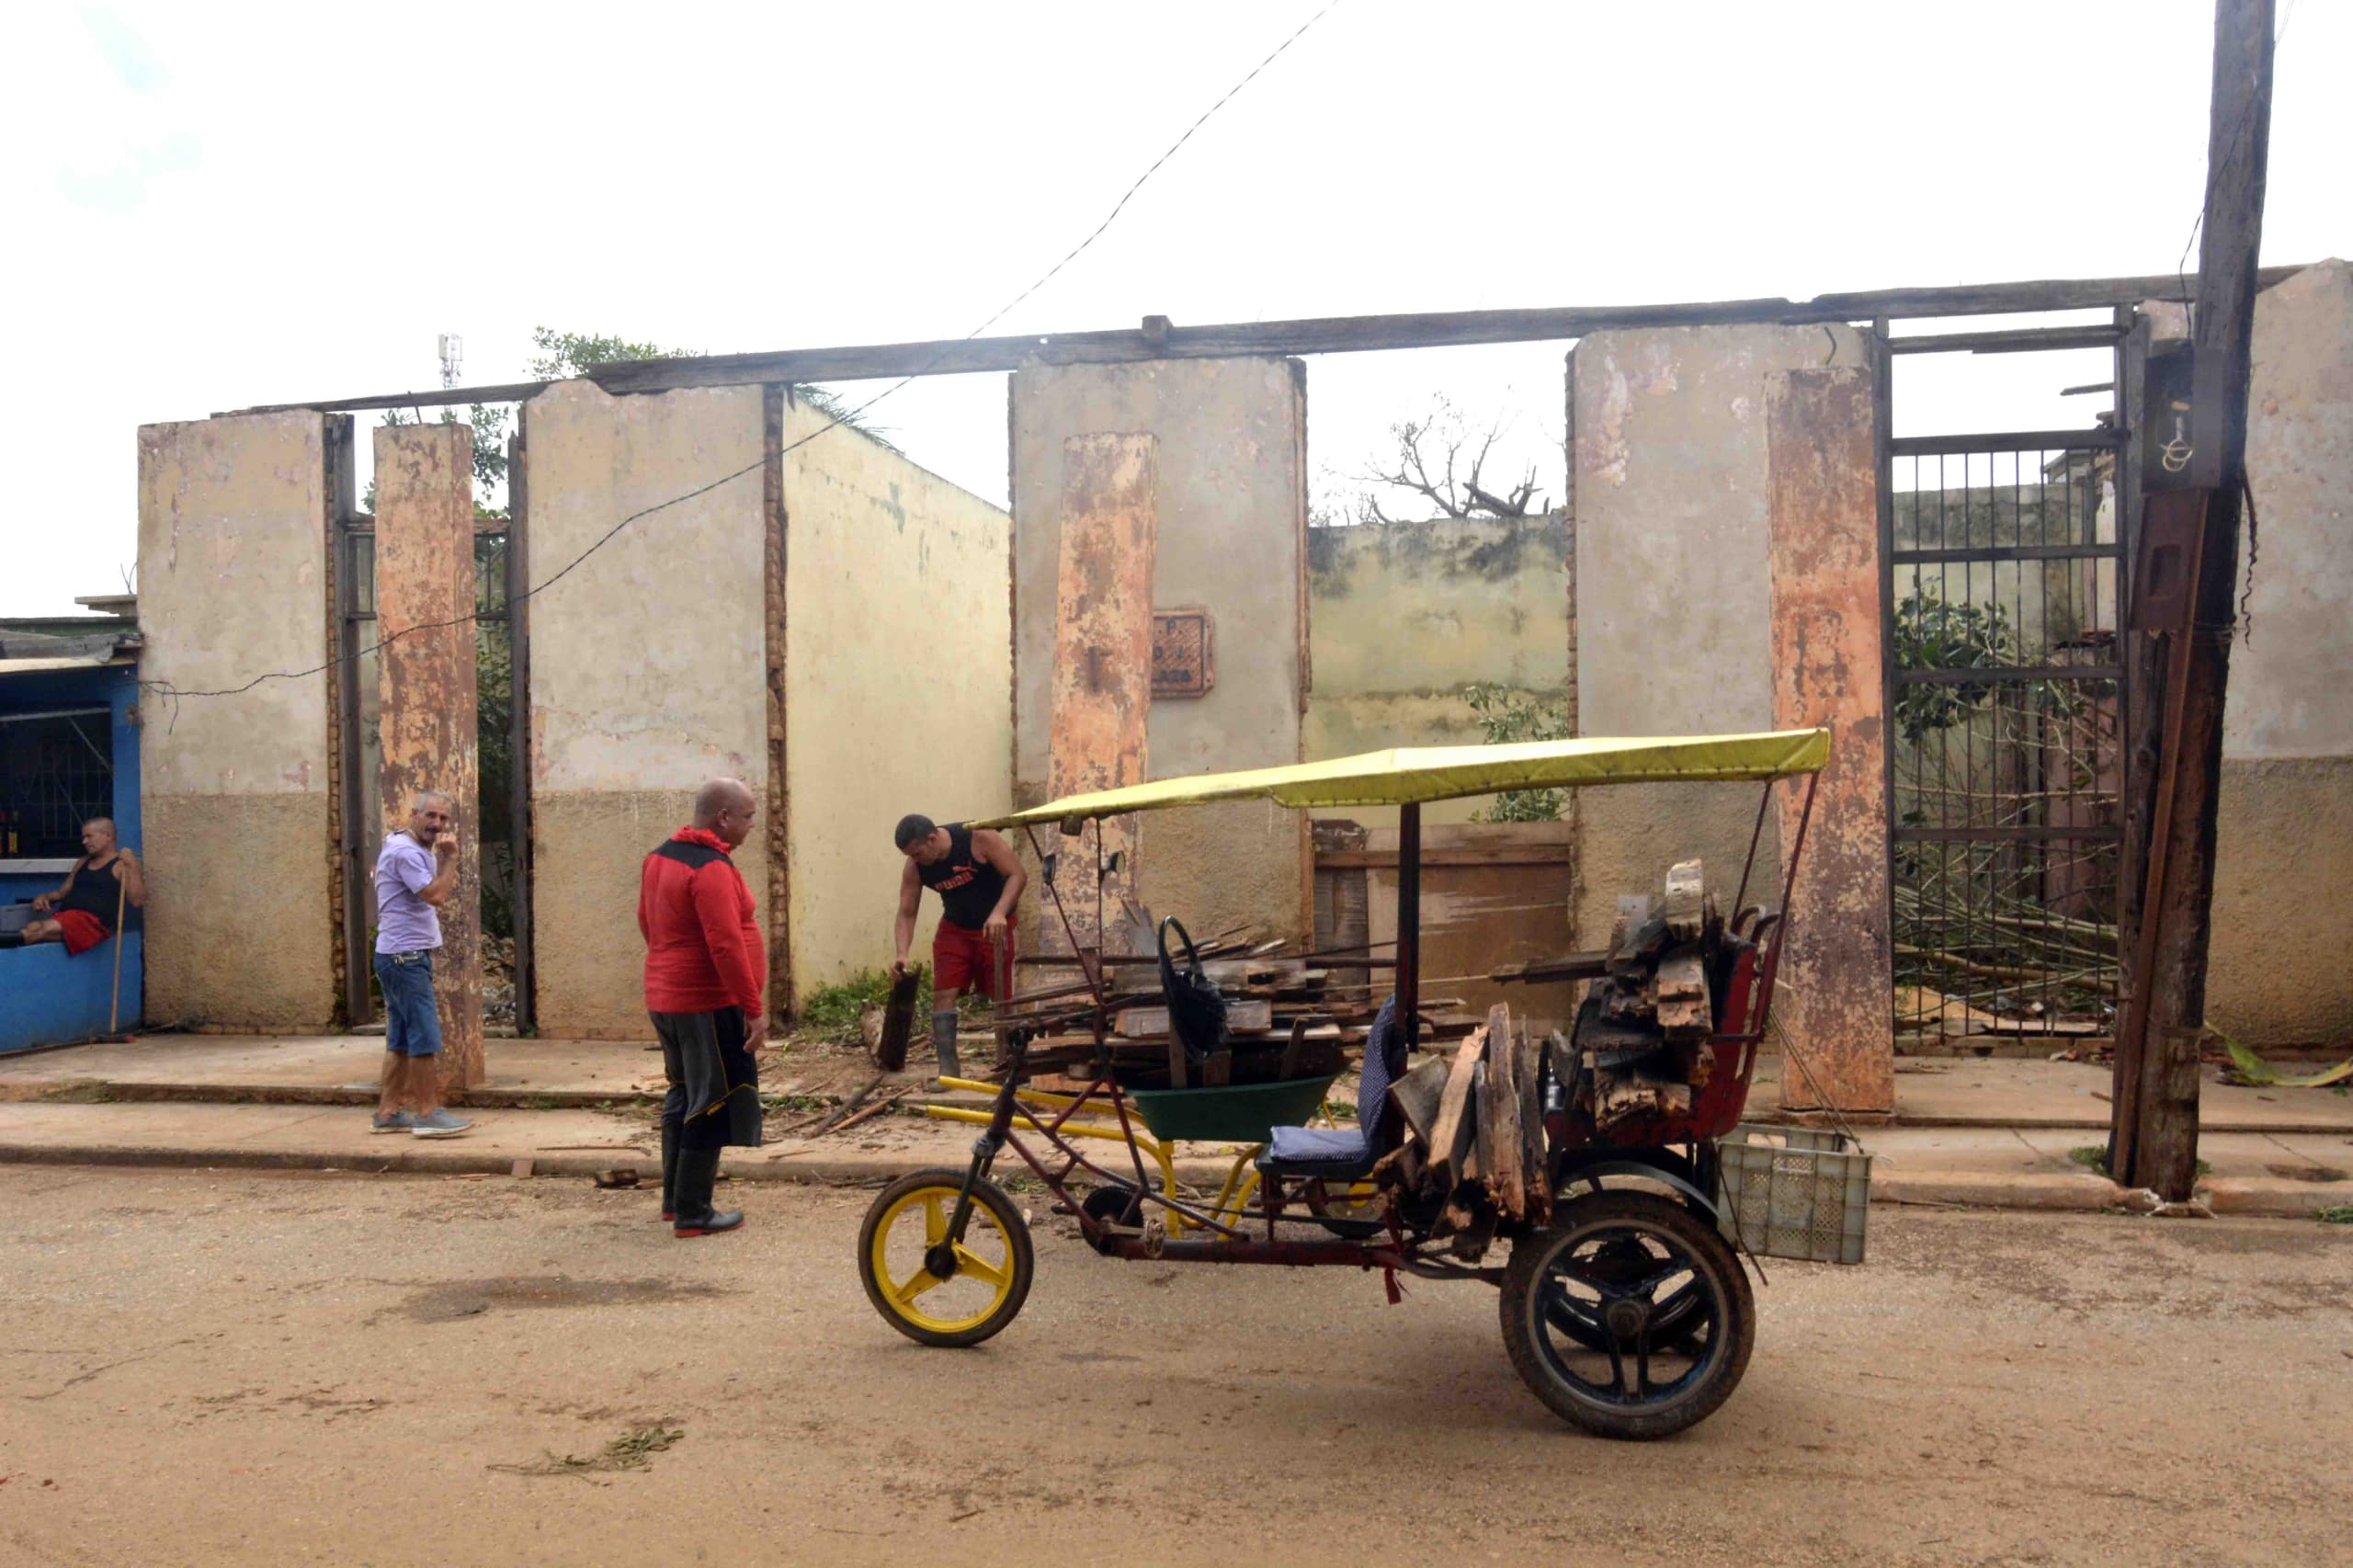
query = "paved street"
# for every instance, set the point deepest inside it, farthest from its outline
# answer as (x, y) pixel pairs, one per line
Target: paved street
(200, 1368)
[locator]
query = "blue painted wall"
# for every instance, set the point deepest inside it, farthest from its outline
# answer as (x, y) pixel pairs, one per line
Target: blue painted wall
(47, 998)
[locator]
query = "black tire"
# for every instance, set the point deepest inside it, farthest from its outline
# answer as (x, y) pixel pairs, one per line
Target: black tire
(1710, 1342)
(1016, 1268)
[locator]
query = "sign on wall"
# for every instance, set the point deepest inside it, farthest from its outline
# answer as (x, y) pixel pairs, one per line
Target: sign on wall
(1183, 652)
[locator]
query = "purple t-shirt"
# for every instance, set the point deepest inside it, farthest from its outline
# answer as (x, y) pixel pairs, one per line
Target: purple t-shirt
(404, 922)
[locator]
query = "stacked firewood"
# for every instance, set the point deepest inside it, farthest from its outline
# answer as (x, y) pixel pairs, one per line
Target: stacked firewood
(1286, 1017)
(1474, 1135)
(1474, 1138)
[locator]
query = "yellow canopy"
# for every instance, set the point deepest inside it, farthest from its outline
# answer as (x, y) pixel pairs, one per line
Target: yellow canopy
(1405, 775)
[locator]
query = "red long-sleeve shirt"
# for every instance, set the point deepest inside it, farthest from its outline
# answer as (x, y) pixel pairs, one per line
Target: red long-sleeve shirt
(702, 941)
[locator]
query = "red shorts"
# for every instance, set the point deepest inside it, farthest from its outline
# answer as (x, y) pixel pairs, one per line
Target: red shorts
(964, 960)
(81, 929)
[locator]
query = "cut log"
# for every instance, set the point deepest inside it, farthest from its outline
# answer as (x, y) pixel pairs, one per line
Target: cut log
(1683, 1005)
(1499, 1135)
(1686, 898)
(1416, 1097)
(1451, 1134)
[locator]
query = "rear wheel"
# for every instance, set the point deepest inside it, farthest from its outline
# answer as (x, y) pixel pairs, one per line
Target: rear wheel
(933, 1289)
(1629, 1317)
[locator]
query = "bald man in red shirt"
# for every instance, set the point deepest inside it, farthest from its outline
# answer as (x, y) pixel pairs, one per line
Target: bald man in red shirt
(705, 968)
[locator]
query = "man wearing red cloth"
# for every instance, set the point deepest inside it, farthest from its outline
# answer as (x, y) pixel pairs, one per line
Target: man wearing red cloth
(705, 968)
(82, 911)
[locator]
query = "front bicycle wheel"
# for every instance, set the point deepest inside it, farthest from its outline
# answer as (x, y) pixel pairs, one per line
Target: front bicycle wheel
(934, 1289)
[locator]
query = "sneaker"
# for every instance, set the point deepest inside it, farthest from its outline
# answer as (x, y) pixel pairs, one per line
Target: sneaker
(441, 1124)
(398, 1121)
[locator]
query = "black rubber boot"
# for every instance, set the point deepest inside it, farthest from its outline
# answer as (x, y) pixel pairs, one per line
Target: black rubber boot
(943, 1042)
(669, 1170)
(697, 1172)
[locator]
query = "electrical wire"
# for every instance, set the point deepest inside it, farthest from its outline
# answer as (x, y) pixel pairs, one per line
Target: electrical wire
(166, 689)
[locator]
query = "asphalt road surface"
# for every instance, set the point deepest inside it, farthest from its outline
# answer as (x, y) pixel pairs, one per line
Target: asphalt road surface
(201, 1368)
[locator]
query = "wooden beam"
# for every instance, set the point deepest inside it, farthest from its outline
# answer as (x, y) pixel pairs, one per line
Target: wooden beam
(1322, 334)
(2156, 1135)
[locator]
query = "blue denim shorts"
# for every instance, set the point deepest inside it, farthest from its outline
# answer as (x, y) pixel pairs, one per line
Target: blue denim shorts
(411, 1021)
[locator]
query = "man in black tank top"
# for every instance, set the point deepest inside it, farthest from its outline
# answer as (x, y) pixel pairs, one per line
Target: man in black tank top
(979, 881)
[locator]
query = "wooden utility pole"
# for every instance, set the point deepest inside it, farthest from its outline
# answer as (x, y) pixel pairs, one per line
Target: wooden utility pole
(2155, 1140)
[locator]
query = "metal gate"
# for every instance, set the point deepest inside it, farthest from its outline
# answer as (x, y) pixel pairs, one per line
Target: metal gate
(2005, 700)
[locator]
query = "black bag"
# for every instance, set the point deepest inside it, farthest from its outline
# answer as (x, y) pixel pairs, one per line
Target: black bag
(1196, 1007)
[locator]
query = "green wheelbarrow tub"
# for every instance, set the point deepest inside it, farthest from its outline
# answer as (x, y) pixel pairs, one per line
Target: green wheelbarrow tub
(1236, 1113)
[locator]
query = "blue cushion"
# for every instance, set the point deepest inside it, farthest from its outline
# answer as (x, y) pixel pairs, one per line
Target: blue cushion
(1343, 1152)
(1316, 1144)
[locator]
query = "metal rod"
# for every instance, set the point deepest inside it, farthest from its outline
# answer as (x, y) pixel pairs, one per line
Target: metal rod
(1409, 921)
(1755, 836)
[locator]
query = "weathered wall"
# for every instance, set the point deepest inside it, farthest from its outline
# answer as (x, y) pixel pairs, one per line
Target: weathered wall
(899, 679)
(2277, 973)
(1231, 523)
(1675, 585)
(1827, 649)
(645, 669)
(428, 734)
(232, 534)
(1404, 616)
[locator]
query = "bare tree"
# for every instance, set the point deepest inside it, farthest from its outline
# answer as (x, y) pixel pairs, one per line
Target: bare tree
(1431, 461)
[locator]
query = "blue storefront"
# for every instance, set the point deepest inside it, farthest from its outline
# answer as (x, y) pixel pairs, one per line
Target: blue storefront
(69, 750)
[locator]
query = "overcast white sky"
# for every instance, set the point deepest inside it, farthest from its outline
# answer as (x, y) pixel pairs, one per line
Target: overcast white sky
(221, 205)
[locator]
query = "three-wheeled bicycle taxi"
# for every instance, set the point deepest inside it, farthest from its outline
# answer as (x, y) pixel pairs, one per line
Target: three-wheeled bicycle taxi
(1593, 1155)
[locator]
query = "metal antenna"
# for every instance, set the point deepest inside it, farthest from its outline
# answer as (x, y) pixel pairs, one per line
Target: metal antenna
(453, 348)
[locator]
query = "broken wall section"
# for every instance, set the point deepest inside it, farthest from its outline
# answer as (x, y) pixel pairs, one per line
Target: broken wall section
(898, 683)
(646, 669)
(1232, 501)
(2284, 849)
(233, 585)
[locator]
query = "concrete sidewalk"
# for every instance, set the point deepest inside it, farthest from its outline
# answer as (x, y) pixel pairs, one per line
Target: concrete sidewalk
(2284, 1175)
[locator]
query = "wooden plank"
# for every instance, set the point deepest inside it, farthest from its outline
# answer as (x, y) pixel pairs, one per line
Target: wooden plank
(1452, 1134)
(1466, 855)
(1534, 1161)
(1241, 1016)
(1416, 1097)
(1686, 896)
(1568, 966)
(1101, 691)
(1498, 1116)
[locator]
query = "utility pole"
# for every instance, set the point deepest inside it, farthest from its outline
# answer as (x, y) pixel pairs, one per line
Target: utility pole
(2154, 1132)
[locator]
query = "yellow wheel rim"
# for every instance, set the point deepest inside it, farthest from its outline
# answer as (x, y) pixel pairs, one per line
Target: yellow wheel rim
(909, 1229)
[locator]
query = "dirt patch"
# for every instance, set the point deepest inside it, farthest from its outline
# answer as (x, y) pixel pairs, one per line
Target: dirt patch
(2307, 1173)
(472, 1298)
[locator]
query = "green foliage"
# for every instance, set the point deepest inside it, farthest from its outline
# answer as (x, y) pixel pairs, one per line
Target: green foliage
(1934, 633)
(1505, 714)
(832, 1010)
(2091, 1156)
(2335, 1215)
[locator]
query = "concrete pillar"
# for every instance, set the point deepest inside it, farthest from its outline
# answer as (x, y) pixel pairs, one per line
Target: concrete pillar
(1674, 601)
(1836, 984)
(239, 820)
(1231, 539)
(425, 591)
(647, 669)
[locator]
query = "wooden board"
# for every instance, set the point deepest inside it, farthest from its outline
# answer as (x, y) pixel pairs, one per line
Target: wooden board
(1101, 693)
(1451, 1134)
(1535, 1166)
(1417, 1094)
(1498, 1117)
(1241, 1016)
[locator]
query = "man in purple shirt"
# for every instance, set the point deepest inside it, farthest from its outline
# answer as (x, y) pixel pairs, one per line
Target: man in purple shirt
(416, 874)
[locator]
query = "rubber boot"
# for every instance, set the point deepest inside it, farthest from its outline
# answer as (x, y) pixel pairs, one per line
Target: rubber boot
(669, 1170)
(943, 1041)
(698, 1172)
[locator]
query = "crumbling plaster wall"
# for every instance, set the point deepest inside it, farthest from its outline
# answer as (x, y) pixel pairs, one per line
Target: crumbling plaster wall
(2277, 973)
(1232, 514)
(1403, 617)
(646, 669)
(233, 534)
(1673, 577)
(898, 682)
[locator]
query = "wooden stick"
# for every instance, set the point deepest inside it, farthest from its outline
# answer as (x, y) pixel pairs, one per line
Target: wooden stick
(122, 892)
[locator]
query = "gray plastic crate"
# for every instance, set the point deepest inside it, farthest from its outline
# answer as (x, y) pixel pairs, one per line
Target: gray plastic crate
(1795, 1192)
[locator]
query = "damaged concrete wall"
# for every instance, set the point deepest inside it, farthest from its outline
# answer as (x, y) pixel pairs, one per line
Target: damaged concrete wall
(646, 669)
(1404, 616)
(1675, 584)
(232, 535)
(2278, 973)
(1232, 514)
(899, 683)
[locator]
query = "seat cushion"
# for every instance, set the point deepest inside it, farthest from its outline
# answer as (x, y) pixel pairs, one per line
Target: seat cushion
(1333, 1152)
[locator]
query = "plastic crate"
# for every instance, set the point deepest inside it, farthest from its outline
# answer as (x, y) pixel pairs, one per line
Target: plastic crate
(1795, 1192)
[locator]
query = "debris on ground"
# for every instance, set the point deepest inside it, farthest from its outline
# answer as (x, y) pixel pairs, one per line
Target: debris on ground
(633, 1449)
(2247, 1068)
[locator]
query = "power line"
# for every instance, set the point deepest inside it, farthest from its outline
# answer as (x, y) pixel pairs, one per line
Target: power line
(847, 415)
